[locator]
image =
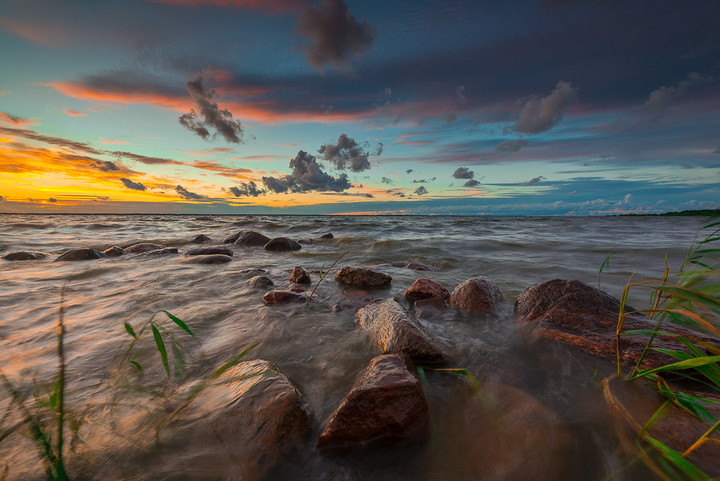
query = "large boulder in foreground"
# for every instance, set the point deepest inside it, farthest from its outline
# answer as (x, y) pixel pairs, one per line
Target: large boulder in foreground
(395, 330)
(385, 402)
(282, 244)
(586, 318)
(24, 256)
(206, 251)
(361, 277)
(477, 295)
(81, 254)
(250, 238)
(426, 288)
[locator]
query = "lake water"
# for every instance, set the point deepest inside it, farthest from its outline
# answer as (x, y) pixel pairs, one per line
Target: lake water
(318, 347)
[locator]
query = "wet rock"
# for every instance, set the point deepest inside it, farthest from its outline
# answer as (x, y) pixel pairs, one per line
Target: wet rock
(283, 297)
(477, 295)
(305, 241)
(200, 239)
(166, 251)
(257, 415)
(416, 266)
(426, 288)
(143, 247)
(208, 259)
(282, 244)
(204, 251)
(232, 238)
(353, 304)
(260, 282)
(584, 317)
(429, 307)
(385, 402)
(361, 277)
(256, 271)
(327, 236)
(24, 256)
(250, 238)
(114, 251)
(394, 330)
(299, 276)
(81, 254)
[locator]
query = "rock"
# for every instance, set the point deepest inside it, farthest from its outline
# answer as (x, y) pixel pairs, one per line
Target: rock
(114, 251)
(81, 254)
(138, 248)
(282, 244)
(477, 295)
(205, 251)
(305, 241)
(394, 330)
(353, 304)
(299, 276)
(166, 251)
(255, 270)
(208, 259)
(326, 236)
(426, 288)
(283, 297)
(416, 266)
(251, 238)
(260, 282)
(358, 276)
(385, 402)
(231, 238)
(429, 308)
(24, 256)
(200, 239)
(586, 318)
(254, 412)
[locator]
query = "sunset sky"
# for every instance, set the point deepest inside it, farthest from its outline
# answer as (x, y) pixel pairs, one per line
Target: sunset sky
(519, 107)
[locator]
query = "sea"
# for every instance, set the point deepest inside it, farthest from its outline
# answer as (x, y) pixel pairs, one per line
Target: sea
(116, 428)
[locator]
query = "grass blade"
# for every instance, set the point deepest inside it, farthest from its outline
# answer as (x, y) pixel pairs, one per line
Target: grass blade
(180, 323)
(136, 364)
(130, 330)
(234, 360)
(679, 366)
(161, 348)
(688, 468)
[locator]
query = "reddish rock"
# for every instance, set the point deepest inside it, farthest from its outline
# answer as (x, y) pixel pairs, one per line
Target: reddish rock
(82, 254)
(24, 256)
(283, 297)
(250, 238)
(360, 277)
(416, 266)
(142, 247)
(385, 402)
(200, 239)
(477, 295)
(282, 244)
(114, 251)
(260, 282)
(395, 330)
(206, 251)
(299, 276)
(425, 288)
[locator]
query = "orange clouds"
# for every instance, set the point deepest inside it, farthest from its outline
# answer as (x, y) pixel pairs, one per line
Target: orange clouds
(74, 113)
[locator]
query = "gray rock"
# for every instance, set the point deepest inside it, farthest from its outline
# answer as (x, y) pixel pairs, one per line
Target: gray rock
(251, 238)
(327, 236)
(232, 238)
(114, 251)
(166, 251)
(208, 259)
(361, 277)
(477, 295)
(260, 282)
(142, 247)
(282, 244)
(201, 239)
(205, 251)
(24, 256)
(82, 254)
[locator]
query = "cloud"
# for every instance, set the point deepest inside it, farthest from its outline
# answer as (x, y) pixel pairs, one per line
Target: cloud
(542, 114)
(660, 99)
(408, 171)
(379, 149)
(247, 189)
(132, 185)
(627, 200)
(210, 116)
(105, 166)
(386, 180)
(422, 181)
(471, 183)
(463, 173)
(534, 180)
(421, 190)
(335, 34)
(14, 120)
(74, 113)
(68, 144)
(145, 159)
(186, 194)
(307, 175)
(510, 145)
(52, 199)
(399, 194)
(346, 154)
(269, 6)
(2, 199)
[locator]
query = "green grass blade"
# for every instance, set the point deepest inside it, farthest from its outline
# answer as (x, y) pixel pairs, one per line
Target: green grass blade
(421, 374)
(179, 357)
(161, 348)
(688, 468)
(130, 330)
(180, 323)
(137, 365)
(234, 360)
(679, 366)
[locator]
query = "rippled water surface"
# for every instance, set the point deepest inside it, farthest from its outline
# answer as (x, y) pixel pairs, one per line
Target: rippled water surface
(318, 348)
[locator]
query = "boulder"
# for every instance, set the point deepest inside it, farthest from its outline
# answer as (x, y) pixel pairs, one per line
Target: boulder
(305, 241)
(361, 277)
(142, 247)
(165, 251)
(208, 259)
(81, 254)
(477, 295)
(200, 239)
(260, 282)
(416, 266)
(282, 244)
(24, 256)
(114, 251)
(283, 297)
(250, 238)
(584, 317)
(231, 238)
(206, 251)
(327, 236)
(385, 402)
(426, 288)
(299, 276)
(395, 330)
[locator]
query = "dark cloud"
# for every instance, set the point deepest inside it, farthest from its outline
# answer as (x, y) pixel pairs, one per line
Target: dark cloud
(210, 116)
(717, 151)
(399, 194)
(145, 159)
(105, 166)
(421, 190)
(2, 199)
(471, 183)
(132, 185)
(186, 194)
(379, 149)
(346, 154)
(51, 199)
(423, 181)
(463, 173)
(534, 180)
(335, 34)
(307, 175)
(247, 189)
(660, 99)
(68, 144)
(408, 171)
(510, 145)
(542, 114)
(386, 180)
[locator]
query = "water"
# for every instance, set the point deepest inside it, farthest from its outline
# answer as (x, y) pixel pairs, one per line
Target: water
(319, 349)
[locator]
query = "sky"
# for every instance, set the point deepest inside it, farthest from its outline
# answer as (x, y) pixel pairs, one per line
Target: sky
(519, 107)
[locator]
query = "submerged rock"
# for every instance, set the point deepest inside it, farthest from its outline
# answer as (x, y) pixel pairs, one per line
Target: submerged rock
(200, 239)
(361, 277)
(114, 251)
(260, 282)
(426, 288)
(204, 251)
(24, 256)
(300, 276)
(283, 297)
(231, 238)
(208, 259)
(327, 236)
(142, 247)
(165, 251)
(250, 238)
(282, 244)
(81, 254)
(385, 402)
(416, 266)
(477, 295)
(395, 330)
